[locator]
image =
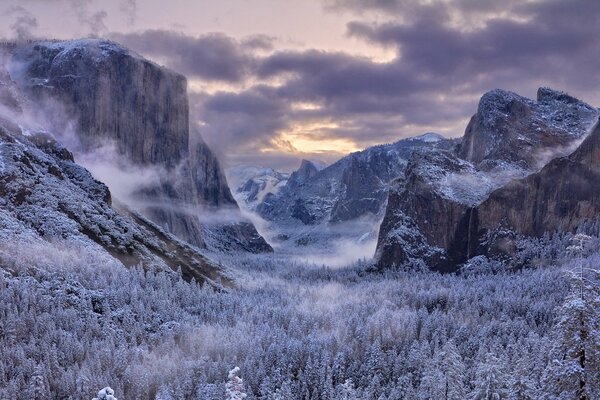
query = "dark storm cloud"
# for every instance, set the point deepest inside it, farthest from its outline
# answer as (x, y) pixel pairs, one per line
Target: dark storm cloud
(539, 47)
(442, 68)
(233, 119)
(447, 55)
(214, 56)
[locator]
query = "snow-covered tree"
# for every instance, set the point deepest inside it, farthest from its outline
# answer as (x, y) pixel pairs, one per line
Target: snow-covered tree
(234, 389)
(490, 382)
(453, 372)
(574, 372)
(106, 394)
(346, 391)
(38, 385)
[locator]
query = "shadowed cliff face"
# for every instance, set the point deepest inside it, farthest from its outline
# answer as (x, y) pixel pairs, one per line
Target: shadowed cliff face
(117, 98)
(560, 197)
(451, 207)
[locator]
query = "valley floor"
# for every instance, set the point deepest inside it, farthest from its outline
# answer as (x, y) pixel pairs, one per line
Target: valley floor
(73, 322)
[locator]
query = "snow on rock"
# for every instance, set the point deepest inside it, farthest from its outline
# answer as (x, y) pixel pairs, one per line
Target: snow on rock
(256, 183)
(434, 210)
(429, 137)
(511, 128)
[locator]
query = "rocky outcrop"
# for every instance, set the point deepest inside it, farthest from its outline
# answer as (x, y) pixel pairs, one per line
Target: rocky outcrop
(509, 128)
(115, 97)
(451, 207)
(428, 212)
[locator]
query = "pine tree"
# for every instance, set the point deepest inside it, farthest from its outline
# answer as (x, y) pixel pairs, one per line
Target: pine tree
(38, 385)
(346, 391)
(234, 389)
(453, 370)
(574, 372)
(490, 383)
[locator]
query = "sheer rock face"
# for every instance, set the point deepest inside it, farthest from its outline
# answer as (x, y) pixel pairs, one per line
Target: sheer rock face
(116, 97)
(113, 94)
(428, 210)
(451, 207)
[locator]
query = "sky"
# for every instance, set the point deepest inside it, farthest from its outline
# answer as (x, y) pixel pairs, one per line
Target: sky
(271, 82)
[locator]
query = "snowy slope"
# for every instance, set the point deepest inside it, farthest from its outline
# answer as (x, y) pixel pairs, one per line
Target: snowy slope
(46, 196)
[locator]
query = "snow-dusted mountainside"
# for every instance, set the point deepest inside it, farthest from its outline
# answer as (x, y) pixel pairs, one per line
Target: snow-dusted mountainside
(432, 211)
(103, 96)
(352, 187)
(46, 197)
(254, 183)
(324, 210)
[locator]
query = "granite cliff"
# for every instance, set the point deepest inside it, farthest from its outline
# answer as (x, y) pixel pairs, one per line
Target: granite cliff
(46, 197)
(450, 206)
(115, 97)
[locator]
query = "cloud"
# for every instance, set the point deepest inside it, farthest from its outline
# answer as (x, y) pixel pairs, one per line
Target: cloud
(92, 20)
(129, 8)
(448, 53)
(24, 23)
(213, 56)
(245, 92)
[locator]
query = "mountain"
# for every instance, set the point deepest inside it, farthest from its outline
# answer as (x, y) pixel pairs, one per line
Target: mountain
(353, 186)
(509, 128)
(109, 97)
(560, 197)
(46, 196)
(317, 206)
(254, 183)
(434, 212)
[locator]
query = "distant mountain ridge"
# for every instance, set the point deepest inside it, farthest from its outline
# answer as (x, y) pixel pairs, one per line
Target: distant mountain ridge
(314, 203)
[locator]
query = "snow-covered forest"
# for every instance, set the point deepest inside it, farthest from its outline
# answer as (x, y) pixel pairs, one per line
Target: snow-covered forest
(73, 322)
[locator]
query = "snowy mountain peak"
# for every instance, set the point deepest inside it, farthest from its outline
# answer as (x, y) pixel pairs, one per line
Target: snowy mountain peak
(429, 137)
(511, 128)
(545, 94)
(306, 171)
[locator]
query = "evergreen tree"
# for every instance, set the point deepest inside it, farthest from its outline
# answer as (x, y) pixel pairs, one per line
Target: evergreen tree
(38, 385)
(453, 372)
(234, 389)
(490, 383)
(574, 372)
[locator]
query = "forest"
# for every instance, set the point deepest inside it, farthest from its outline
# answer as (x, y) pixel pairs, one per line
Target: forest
(73, 321)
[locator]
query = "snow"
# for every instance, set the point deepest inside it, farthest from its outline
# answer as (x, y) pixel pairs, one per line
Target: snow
(429, 137)
(106, 394)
